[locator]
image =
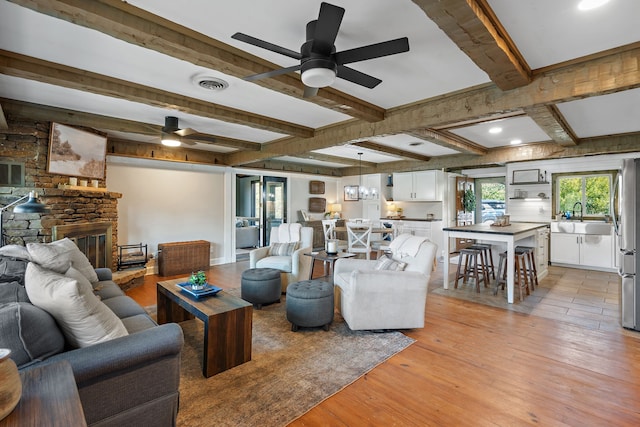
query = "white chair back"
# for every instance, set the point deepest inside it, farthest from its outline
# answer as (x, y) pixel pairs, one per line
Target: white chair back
(359, 237)
(328, 227)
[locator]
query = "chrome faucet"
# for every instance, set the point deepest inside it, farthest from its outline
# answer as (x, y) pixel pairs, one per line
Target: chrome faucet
(573, 210)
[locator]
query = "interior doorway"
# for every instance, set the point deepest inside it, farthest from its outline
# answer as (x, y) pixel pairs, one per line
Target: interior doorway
(274, 206)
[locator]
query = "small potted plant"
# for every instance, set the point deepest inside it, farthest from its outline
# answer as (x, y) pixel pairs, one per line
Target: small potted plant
(198, 280)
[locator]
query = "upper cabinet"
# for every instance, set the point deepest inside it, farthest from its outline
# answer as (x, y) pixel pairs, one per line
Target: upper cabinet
(422, 186)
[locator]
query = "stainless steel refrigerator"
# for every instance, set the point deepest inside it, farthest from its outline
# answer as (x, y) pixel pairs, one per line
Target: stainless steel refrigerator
(625, 207)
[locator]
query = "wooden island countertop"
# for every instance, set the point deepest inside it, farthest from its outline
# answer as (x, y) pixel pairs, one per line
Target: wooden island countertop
(512, 229)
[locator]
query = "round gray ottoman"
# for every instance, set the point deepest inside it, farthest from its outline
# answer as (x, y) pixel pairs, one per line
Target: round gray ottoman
(310, 304)
(260, 286)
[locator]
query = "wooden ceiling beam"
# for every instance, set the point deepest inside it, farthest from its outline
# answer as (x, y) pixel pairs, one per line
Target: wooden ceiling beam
(451, 141)
(3, 120)
(96, 121)
(551, 121)
(332, 159)
(142, 150)
(27, 67)
(392, 151)
(473, 27)
(610, 73)
(279, 166)
(139, 27)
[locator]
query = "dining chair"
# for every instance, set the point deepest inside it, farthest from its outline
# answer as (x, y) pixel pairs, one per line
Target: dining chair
(381, 242)
(329, 229)
(359, 238)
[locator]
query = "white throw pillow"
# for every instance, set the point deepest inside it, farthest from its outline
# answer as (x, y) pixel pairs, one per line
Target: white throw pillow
(59, 255)
(386, 263)
(83, 318)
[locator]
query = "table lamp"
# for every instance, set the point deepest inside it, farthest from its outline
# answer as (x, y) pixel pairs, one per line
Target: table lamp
(33, 205)
(335, 209)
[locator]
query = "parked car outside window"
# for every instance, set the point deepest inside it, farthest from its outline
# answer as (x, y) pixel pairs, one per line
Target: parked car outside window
(492, 209)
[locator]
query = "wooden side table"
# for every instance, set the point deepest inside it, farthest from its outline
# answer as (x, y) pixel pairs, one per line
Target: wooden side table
(49, 397)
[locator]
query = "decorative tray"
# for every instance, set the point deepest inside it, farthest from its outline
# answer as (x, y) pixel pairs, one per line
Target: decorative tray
(207, 291)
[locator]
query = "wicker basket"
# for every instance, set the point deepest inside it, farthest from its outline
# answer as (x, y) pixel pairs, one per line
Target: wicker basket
(183, 257)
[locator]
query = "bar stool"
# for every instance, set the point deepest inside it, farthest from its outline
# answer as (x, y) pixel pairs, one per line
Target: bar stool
(487, 258)
(530, 256)
(521, 274)
(470, 258)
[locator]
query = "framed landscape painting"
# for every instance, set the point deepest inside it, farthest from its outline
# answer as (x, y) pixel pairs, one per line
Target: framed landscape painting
(76, 152)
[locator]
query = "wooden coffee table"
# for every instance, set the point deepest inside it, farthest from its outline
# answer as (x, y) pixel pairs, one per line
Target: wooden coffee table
(227, 323)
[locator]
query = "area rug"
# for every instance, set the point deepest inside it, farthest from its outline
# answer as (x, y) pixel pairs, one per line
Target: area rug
(289, 372)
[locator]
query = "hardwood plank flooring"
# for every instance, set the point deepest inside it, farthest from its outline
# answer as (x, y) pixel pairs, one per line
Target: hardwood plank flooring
(558, 358)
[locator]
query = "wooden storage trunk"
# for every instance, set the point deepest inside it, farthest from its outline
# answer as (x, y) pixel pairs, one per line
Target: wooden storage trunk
(183, 257)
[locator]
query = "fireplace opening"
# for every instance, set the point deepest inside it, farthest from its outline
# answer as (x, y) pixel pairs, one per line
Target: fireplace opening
(93, 239)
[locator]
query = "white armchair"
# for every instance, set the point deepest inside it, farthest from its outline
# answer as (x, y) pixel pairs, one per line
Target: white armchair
(294, 267)
(386, 299)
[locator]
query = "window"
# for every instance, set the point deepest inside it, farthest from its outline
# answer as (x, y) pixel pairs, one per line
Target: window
(491, 193)
(591, 190)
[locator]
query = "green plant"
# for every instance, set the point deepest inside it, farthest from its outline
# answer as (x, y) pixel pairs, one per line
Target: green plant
(198, 278)
(469, 201)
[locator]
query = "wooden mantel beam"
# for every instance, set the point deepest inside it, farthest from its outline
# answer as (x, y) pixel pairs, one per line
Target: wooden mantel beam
(123, 21)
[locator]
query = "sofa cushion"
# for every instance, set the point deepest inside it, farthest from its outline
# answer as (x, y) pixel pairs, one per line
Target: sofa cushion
(107, 289)
(12, 292)
(386, 263)
(138, 323)
(124, 306)
(83, 318)
(15, 251)
(12, 269)
(282, 249)
(59, 255)
(282, 263)
(29, 332)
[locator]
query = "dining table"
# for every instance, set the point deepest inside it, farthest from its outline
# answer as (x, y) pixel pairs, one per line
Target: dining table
(508, 234)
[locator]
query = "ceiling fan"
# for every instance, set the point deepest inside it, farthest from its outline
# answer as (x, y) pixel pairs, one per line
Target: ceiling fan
(173, 136)
(320, 64)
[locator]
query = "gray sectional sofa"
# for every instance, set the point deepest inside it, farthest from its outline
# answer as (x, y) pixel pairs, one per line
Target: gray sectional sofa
(129, 378)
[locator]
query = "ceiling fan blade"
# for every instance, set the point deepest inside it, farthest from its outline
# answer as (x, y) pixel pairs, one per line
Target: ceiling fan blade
(266, 45)
(199, 137)
(185, 131)
(371, 51)
(309, 92)
(273, 73)
(358, 77)
(328, 23)
(186, 141)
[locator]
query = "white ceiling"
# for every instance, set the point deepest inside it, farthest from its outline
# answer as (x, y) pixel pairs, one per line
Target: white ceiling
(546, 32)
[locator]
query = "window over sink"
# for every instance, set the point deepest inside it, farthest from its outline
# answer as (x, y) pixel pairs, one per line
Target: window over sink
(586, 193)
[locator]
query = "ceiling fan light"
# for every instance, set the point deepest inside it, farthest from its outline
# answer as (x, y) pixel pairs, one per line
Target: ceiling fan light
(318, 77)
(170, 139)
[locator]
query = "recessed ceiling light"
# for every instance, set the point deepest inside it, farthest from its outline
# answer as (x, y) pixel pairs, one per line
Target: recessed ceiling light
(495, 130)
(591, 4)
(515, 141)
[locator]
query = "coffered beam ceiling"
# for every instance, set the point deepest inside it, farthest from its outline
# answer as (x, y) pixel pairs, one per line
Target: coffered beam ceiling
(550, 120)
(472, 26)
(393, 151)
(96, 121)
(449, 141)
(612, 72)
(128, 23)
(27, 67)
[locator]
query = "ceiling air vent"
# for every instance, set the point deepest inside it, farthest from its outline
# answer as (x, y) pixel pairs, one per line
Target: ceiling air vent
(210, 83)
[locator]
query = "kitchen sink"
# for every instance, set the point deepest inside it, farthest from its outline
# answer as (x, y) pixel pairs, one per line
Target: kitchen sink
(585, 227)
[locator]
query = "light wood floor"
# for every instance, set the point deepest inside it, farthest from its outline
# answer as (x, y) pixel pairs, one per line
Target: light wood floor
(475, 364)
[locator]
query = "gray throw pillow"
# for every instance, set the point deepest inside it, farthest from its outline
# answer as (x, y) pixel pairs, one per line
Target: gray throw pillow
(12, 269)
(12, 292)
(29, 332)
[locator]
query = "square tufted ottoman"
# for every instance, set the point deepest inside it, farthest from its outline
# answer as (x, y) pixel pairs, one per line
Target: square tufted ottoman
(260, 286)
(310, 304)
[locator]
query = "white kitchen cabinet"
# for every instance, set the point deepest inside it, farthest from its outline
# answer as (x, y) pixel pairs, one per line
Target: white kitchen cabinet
(418, 186)
(586, 250)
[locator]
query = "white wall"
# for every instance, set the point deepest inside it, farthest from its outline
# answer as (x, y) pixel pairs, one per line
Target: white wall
(169, 202)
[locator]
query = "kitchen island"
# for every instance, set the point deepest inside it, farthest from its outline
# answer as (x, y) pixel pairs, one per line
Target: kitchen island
(507, 234)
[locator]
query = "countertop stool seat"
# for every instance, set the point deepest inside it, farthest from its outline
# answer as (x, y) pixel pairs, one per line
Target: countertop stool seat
(521, 274)
(488, 258)
(310, 304)
(471, 265)
(530, 257)
(260, 286)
